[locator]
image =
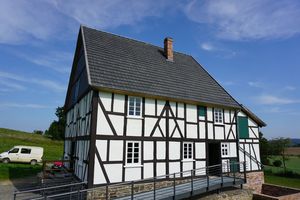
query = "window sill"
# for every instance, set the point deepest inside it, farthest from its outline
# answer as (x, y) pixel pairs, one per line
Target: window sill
(133, 166)
(188, 160)
(134, 117)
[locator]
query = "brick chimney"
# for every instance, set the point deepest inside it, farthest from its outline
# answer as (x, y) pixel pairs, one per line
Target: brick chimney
(168, 48)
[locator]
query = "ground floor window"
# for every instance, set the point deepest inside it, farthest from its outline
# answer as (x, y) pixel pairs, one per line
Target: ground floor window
(187, 150)
(133, 153)
(225, 149)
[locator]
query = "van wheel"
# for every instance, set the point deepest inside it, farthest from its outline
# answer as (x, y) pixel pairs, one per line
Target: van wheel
(6, 160)
(33, 162)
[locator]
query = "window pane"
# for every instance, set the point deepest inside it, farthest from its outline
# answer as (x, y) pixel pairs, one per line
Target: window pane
(136, 145)
(136, 160)
(25, 151)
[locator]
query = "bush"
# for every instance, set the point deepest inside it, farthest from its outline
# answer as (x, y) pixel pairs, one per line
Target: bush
(288, 173)
(277, 163)
(265, 161)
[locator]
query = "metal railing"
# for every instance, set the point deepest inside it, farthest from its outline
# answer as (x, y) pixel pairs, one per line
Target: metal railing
(177, 185)
(251, 157)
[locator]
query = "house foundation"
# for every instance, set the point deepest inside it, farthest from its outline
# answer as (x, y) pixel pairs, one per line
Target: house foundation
(255, 180)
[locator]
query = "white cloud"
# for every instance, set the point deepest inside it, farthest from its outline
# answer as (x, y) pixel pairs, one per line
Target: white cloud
(18, 105)
(52, 85)
(256, 84)
(240, 20)
(207, 46)
(10, 85)
(289, 88)
(274, 100)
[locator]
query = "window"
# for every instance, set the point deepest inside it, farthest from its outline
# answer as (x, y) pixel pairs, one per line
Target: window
(225, 149)
(202, 111)
(15, 150)
(134, 106)
(133, 153)
(187, 150)
(25, 151)
(218, 115)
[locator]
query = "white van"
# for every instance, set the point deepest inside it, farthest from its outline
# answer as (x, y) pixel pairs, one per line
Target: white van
(25, 154)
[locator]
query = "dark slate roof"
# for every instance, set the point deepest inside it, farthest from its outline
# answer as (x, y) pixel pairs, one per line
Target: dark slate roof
(119, 63)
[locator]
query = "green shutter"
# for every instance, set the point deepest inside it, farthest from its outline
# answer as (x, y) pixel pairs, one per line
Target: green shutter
(202, 111)
(243, 127)
(234, 166)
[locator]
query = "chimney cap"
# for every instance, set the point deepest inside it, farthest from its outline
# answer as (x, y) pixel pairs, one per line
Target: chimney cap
(168, 38)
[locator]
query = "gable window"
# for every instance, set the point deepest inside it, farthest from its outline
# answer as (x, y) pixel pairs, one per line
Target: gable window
(225, 149)
(187, 150)
(218, 115)
(134, 106)
(133, 153)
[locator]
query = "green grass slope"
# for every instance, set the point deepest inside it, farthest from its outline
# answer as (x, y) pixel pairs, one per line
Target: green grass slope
(8, 138)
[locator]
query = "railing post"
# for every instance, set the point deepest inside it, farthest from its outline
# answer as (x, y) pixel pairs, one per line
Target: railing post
(174, 186)
(106, 191)
(154, 188)
(15, 195)
(233, 175)
(245, 174)
(192, 184)
(132, 191)
(207, 178)
(222, 181)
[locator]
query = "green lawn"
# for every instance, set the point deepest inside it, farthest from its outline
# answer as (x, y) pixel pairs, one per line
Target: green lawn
(9, 138)
(284, 181)
(292, 164)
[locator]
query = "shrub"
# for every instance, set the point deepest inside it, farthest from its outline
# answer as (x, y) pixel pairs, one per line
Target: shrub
(265, 161)
(277, 163)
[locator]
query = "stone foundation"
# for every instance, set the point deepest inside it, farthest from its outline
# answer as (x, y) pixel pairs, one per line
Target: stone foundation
(255, 180)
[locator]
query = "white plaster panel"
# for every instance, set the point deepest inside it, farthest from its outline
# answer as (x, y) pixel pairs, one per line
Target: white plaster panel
(255, 141)
(171, 125)
(232, 149)
(210, 131)
(209, 114)
(148, 170)
(132, 173)
(161, 150)
(102, 147)
(219, 133)
(160, 169)
(181, 126)
(227, 129)
(226, 116)
(202, 130)
(162, 124)
(118, 123)
(187, 166)
(150, 106)
(200, 150)
(116, 150)
(201, 117)
(149, 125)
(191, 113)
(191, 131)
(241, 114)
(114, 172)
(106, 100)
(232, 117)
(160, 106)
(248, 160)
(119, 101)
(225, 165)
(134, 127)
(251, 122)
(174, 167)
(256, 149)
(148, 150)
(173, 108)
(255, 134)
(180, 107)
(199, 168)
(174, 150)
(103, 127)
(98, 174)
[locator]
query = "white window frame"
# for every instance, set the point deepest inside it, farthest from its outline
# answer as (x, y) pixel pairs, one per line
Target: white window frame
(134, 107)
(225, 149)
(132, 163)
(218, 116)
(190, 154)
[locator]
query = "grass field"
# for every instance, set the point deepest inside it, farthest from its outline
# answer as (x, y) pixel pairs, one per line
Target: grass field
(9, 138)
(284, 181)
(292, 164)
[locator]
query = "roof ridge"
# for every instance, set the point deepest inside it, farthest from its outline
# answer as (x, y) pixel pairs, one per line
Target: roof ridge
(131, 39)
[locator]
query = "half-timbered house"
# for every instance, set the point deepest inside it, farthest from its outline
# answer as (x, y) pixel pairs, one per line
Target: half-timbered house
(135, 110)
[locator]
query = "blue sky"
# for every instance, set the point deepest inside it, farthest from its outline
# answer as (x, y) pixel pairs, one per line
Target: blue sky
(251, 47)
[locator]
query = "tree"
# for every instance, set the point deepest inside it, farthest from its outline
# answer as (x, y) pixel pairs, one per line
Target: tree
(56, 130)
(264, 149)
(277, 147)
(38, 132)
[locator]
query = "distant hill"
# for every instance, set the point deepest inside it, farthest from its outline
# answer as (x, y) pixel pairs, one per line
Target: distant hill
(295, 141)
(52, 149)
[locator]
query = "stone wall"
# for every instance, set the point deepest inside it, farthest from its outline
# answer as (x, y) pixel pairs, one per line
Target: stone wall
(255, 181)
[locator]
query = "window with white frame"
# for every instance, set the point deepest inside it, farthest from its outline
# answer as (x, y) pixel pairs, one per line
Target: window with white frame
(225, 149)
(134, 106)
(187, 150)
(133, 153)
(218, 115)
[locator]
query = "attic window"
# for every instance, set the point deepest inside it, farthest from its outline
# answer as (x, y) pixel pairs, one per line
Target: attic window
(134, 106)
(218, 115)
